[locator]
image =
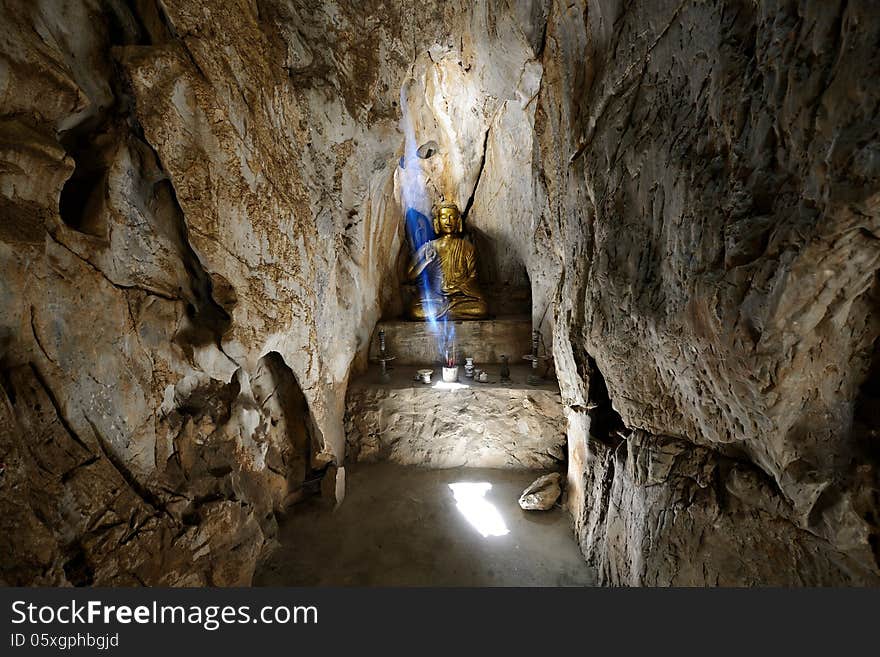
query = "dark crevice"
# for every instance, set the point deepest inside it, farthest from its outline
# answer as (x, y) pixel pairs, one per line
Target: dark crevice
(77, 568)
(92, 142)
(606, 424)
(147, 497)
(67, 476)
(874, 543)
(57, 407)
(100, 530)
(427, 150)
(135, 23)
(92, 145)
(82, 197)
(153, 15)
(296, 461)
(866, 432)
(470, 200)
(6, 385)
(38, 341)
(208, 319)
(866, 425)
(541, 41)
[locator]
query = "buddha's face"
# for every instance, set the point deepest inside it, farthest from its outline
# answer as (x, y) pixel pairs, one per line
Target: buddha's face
(449, 221)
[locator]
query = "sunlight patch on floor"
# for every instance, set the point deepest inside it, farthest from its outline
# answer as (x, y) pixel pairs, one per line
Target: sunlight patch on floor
(470, 498)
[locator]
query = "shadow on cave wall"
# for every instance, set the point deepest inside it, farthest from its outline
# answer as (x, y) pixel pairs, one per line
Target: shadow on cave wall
(284, 405)
(93, 144)
(606, 425)
(225, 462)
(508, 291)
(866, 430)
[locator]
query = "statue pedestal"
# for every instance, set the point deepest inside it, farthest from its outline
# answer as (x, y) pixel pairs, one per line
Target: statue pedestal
(414, 343)
(445, 425)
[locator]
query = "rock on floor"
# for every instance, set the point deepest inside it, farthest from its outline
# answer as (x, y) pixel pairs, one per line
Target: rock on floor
(542, 493)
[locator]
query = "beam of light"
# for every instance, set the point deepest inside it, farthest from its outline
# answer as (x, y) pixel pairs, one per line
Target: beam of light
(412, 177)
(470, 498)
(417, 209)
(450, 385)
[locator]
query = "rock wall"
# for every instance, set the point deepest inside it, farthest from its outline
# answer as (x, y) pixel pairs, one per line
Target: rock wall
(714, 173)
(201, 225)
(192, 259)
(143, 442)
(200, 229)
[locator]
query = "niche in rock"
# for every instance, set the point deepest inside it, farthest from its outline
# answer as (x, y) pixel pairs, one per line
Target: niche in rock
(290, 428)
(84, 195)
(606, 424)
(501, 276)
(428, 149)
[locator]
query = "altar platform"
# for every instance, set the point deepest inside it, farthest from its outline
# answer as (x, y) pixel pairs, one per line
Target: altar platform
(414, 343)
(488, 425)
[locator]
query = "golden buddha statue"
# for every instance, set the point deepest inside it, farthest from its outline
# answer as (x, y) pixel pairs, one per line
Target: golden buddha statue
(448, 266)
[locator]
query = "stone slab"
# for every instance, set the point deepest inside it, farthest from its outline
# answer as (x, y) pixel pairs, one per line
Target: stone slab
(486, 340)
(475, 425)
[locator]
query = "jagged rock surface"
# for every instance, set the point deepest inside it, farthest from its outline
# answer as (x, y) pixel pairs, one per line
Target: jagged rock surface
(201, 224)
(717, 188)
(187, 216)
(199, 232)
(662, 512)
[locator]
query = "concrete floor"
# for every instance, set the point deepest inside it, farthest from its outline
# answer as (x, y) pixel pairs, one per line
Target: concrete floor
(402, 526)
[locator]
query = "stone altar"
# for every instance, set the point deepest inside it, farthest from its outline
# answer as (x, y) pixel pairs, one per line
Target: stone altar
(492, 425)
(416, 343)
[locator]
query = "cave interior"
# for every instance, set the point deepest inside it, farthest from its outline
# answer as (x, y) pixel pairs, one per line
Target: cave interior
(669, 233)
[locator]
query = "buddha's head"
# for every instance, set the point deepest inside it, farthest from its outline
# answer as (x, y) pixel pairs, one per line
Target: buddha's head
(447, 220)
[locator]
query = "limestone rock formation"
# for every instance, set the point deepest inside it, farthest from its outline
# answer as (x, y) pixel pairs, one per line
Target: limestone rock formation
(542, 493)
(176, 240)
(715, 173)
(200, 225)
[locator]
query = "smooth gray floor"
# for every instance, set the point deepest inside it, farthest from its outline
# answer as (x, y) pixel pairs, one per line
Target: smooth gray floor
(401, 526)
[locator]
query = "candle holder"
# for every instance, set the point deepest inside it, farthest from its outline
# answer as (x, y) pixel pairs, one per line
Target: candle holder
(384, 359)
(469, 368)
(534, 378)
